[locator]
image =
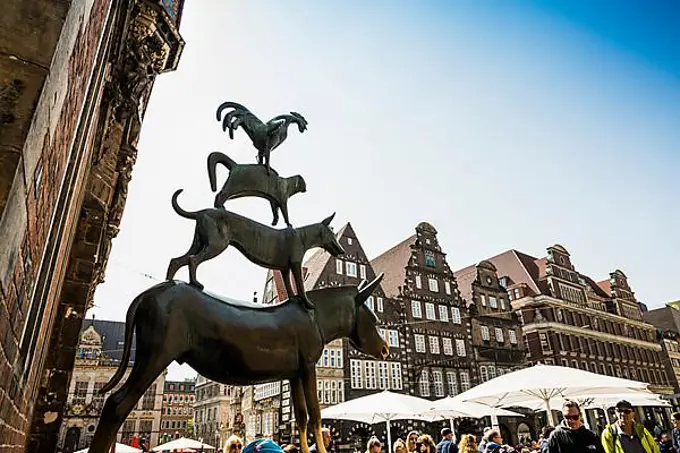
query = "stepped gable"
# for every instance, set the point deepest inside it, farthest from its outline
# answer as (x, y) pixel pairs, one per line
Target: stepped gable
(393, 264)
(465, 277)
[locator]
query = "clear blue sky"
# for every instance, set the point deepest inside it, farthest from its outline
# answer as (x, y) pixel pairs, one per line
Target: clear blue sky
(505, 124)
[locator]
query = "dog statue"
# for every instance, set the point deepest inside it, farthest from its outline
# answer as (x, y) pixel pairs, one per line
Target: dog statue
(253, 180)
(281, 250)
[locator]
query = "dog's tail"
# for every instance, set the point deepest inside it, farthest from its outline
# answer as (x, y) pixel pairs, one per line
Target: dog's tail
(178, 209)
(214, 159)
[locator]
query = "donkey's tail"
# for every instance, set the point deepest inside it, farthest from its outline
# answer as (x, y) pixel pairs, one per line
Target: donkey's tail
(129, 330)
(217, 158)
(178, 209)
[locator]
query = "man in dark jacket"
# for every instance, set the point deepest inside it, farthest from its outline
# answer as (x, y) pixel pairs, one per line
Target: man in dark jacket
(446, 445)
(571, 436)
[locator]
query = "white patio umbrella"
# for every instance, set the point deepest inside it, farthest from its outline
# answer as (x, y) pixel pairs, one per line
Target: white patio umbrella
(546, 382)
(603, 402)
(183, 443)
(378, 407)
(453, 407)
(120, 448)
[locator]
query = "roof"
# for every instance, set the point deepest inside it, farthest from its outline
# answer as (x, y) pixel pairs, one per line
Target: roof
(595, 287)
(113, 337)
(519, 267)
(606, 286)
(465, 278)
(317, 262)
(393, 264)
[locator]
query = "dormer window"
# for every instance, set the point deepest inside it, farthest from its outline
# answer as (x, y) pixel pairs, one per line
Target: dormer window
(503, 281)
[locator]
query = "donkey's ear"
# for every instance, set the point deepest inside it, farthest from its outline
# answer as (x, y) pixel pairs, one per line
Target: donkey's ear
(327, 221)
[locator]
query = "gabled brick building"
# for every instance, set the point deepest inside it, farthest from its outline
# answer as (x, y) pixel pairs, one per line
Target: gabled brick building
(570, 320)
(496, 331)
(437, 324)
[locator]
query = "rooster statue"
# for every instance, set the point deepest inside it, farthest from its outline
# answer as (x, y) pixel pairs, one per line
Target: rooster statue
(266, 137)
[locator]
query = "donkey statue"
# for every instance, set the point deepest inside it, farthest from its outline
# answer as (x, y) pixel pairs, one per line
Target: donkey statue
(237, 343)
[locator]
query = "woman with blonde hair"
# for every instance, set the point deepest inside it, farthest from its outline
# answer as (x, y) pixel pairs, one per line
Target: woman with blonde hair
(234, 444)
(399, 446)
(374, 445)
(468, 444)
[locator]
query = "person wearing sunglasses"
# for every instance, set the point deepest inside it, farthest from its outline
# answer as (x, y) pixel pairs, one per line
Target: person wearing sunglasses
(626, 435)
(571, 436)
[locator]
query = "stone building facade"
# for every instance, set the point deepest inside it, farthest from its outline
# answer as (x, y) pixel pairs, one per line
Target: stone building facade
(97, 359)
(72, 99)
(178, 410)
(216, 410)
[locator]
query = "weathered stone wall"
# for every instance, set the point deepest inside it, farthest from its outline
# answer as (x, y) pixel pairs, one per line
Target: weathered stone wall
(40, 190)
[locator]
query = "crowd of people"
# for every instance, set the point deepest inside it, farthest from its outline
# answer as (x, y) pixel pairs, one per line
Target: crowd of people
(624, 435)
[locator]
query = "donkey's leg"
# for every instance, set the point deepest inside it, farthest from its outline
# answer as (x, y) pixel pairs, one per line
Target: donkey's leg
(118, 406)
(313, 409)
(300, 285)
(300, 408)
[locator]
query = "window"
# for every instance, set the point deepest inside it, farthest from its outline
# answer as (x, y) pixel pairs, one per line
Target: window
(545, 342)
(433, 284)
(482, 299)
(332, 358)
(464, 381)
(434, 344)
(351, 269)
(393, 338)
(443, 313)
(395, 375)
(455, 315)
(369, 367)
(429, 311)
(483, 374)
(502, 302)
(424, 383)
(149, 397)
(420, 342)
(349, 241)
(460, 348)
(379, 304)
(492, 302)
(370, 304)
(438, 379)
(485, 333)
(383, 376)
(356, 379)
(512, 335)
(499, 335)
(362, 271)
(516, 292)
(447, 288)
(416, 310)
(419, 282)
(447, 346)
(429, 259)
(338, 267)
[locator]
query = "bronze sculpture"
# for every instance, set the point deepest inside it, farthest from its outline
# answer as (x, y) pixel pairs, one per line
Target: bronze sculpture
(237, 343)
(252, 180)
(281, 250)
(241, 343)
(266, 137)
